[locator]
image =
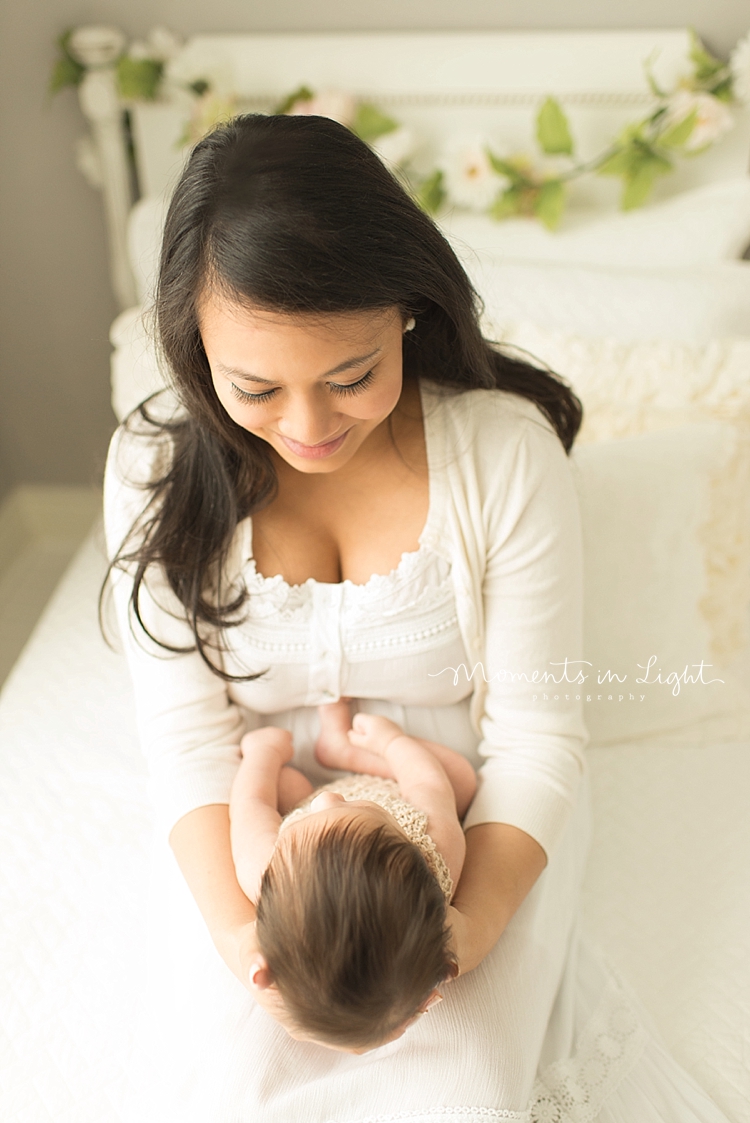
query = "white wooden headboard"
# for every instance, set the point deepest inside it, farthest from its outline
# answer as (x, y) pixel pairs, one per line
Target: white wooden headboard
(439, 84)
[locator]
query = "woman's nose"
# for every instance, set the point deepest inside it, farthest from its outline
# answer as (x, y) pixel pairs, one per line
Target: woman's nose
(308, 421)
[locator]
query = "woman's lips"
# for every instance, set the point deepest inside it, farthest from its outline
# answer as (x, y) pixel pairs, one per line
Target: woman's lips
(314, 452)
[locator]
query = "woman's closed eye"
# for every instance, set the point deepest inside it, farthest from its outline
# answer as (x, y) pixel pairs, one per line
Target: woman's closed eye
(351, 388)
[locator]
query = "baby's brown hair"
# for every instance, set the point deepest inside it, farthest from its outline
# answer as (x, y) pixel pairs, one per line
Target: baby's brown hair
(353, 928)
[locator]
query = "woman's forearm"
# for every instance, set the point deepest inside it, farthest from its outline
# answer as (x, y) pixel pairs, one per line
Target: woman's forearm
(502, 864)
(200, 841)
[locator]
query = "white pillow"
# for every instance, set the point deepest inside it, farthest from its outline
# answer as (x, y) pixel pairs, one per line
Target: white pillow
(134, 367)
(698, 227)
(144, 233)
(666, 529)
(524, 272)
(692, 305)
(630, 388)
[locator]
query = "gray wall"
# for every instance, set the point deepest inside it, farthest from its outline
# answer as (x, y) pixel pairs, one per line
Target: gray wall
(56, 305)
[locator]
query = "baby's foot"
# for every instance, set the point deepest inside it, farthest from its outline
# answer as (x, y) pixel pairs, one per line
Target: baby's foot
(373, 733)
(335, 748)
(332, 745)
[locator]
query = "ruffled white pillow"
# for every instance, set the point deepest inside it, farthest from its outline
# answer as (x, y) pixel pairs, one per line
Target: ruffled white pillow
(632, 388)
(666, 529)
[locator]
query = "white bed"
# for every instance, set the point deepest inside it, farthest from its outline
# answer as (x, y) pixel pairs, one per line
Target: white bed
(661, 357)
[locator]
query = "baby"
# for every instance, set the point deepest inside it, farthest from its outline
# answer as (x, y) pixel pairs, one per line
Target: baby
(351, 887)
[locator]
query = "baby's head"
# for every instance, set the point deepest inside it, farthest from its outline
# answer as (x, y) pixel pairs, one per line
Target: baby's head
(352, 925)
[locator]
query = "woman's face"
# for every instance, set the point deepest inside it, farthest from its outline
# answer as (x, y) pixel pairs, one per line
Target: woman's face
(314, 387)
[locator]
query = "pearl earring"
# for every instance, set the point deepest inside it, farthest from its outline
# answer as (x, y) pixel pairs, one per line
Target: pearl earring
(410, 324)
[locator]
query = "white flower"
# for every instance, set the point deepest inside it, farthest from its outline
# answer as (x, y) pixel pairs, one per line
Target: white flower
(195, 64)
(96, 46)
(739, 64)
(469, 178)
(395, 148)
(163, 44)
(712, 121)
(139, 49)
(335, 104)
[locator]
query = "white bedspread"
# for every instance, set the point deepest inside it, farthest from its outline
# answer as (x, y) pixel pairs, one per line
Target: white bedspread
(667, 894)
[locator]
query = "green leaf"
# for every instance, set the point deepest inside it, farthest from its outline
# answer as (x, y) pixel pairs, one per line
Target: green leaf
(724, 90)
(506, 168)
(370, 123)
(637, 188)
(549, 203)
(302, 93)
(639, 185)
(508, 203)
(706, 65)
(677, 135)
(430, 194)
(199, 87)
(552, 129)
(653, 85)
(66, 72)
(138, 79)
(619, 163)
(63, 42)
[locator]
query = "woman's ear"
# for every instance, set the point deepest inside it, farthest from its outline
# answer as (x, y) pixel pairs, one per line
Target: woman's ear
(260, 976)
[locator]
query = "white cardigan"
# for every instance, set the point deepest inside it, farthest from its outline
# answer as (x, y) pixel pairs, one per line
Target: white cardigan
(514, 540)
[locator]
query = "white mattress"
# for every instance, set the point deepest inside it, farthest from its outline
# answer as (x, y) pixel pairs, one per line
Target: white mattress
(667, 895)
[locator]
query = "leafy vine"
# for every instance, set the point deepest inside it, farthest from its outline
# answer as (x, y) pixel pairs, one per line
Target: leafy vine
(684, 121)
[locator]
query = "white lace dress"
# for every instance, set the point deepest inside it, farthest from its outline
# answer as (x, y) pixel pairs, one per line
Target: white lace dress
(540, 1032)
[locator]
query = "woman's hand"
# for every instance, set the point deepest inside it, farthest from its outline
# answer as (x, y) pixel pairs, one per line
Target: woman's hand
(501, 866)
(201, 845)
(460, 940)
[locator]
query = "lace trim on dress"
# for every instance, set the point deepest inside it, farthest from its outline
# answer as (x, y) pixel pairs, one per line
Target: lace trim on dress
(575, 1090)
(421, 580)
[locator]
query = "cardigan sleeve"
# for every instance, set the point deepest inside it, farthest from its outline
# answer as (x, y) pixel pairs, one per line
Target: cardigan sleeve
(189, 728)
(533, 733)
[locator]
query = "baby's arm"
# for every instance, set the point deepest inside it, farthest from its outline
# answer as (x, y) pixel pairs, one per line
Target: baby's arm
(262, 781)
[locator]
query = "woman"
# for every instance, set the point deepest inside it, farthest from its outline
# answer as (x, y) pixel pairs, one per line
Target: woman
(354, 494)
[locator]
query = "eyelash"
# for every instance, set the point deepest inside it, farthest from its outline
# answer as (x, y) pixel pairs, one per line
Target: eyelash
(353, 388)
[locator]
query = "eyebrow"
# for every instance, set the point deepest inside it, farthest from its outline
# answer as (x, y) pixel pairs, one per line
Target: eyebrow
(348, 364)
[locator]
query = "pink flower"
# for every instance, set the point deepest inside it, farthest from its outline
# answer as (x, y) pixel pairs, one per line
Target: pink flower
(713, 118)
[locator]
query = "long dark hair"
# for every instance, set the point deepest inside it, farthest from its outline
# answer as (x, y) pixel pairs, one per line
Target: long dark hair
(296, 215)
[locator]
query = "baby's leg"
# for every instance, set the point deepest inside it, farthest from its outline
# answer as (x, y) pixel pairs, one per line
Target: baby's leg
(293, 788)
(374, 734)
(334, 749)
(459, 771)
(423, 780)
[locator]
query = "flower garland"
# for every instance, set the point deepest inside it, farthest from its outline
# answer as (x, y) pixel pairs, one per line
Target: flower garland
(685, 121)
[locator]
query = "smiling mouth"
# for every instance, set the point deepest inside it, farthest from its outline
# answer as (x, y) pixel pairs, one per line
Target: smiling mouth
(315, 452)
